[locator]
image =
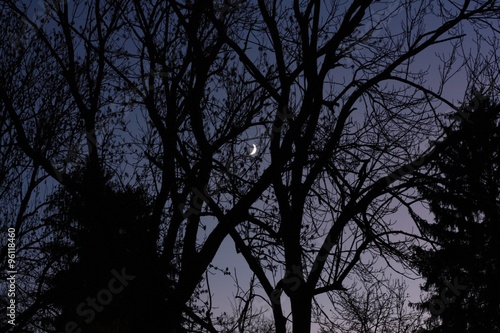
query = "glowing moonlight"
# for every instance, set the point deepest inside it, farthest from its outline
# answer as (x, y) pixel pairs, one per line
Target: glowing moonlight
(254, 150)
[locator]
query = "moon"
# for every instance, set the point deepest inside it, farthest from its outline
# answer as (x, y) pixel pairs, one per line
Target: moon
(254, 150)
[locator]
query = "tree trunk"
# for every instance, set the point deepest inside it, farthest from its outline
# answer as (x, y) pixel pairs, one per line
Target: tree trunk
(301, 311)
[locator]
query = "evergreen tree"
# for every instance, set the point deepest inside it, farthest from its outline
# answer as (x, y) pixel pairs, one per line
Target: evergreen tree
(111, 264)
(462, 269)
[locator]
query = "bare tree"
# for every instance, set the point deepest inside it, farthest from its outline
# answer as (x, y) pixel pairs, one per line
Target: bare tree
(245, 316)
(169, 96)
(358, 119)
(378, 305)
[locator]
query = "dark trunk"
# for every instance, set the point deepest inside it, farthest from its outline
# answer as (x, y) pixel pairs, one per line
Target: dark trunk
(301, 312)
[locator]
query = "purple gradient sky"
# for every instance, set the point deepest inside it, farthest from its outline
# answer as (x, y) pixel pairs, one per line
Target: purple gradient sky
(223, 286)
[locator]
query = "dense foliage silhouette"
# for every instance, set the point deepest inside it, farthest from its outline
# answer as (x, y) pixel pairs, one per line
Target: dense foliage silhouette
(462, 268)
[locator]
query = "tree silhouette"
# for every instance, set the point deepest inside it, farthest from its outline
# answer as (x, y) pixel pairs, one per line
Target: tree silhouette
(137, 115)
(108, 233)
(378, 305)
(461, 269)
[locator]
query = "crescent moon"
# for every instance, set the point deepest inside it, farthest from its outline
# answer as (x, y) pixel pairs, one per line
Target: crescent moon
(254, 150)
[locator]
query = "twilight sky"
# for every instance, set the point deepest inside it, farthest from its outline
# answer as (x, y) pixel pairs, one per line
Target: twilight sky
(222, 286)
